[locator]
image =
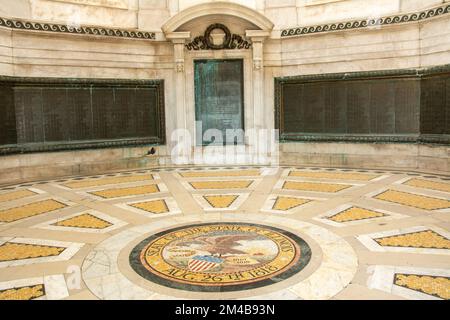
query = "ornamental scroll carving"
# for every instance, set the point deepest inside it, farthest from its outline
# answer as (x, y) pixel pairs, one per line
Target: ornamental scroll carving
(358, 24)
(230, 41)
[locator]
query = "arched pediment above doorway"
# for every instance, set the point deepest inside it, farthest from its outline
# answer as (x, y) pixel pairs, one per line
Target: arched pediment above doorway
(225, 9)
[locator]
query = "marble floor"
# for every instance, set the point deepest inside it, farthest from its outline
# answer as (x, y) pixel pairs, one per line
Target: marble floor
(228, 233)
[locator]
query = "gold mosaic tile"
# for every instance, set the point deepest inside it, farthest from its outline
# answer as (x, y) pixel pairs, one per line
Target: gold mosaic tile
(427, 184)
(15, 195)
(23, 293)
(288, 203)
(222, 201)
(334, 175)
(413, 200)
(17, 251)
(106, 181)
(314, 186)
(355, 214)
(125, 192)
(214, 173)
(208, 185)
(84, 221)
(423, 239)
(30, 210)
(432, 285)
(156, 207)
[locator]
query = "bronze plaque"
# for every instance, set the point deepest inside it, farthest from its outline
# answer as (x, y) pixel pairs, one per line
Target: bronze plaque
(219, 99)
(359, 108)
(433, 113)
(59, 114)
(8, 133)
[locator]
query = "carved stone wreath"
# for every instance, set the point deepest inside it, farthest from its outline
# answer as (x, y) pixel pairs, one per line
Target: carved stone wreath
(230, 41)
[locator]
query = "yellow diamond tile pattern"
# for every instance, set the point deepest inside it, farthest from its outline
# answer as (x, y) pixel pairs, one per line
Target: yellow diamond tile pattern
(107, 181)
(126, 192)
(355, 214)
(288, 203)
(209, 185)
(315, 187)
(413, 200)
(432, 285)
(86, 220)
(15, 195)
(222, 201)
(427, 184)
(17, 251)
(424, 239)
(30, 210)
(156, 206)
(334, 175)
(23, 293)
(219, 173)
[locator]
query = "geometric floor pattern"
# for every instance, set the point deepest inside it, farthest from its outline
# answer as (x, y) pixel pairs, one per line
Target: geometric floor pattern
(422, 239)
(18, 251)
(414, 200)
(431, 285)
(23, 293)
(355, 214)
(85, 220)
(52, 287)
(29, 210)
(228, 233)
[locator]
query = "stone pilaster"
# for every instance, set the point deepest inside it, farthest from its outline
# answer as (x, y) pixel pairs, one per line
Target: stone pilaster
(179, 40)
(257, 37)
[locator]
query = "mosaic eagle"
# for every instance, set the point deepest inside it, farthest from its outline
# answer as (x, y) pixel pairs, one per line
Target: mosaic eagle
(219, 245)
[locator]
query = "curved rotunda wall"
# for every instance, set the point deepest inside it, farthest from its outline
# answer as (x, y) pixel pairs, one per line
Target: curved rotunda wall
(409, 47)
(399, 46)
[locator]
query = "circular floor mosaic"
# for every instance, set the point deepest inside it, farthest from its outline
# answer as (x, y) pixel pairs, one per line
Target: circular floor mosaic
(218, 257)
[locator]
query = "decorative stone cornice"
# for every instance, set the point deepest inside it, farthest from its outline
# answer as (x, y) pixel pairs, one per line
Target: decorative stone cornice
(83, 30)
(358, 24)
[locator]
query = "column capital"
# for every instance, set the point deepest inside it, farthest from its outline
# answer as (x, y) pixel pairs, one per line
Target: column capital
(257, 35)
(178, 37)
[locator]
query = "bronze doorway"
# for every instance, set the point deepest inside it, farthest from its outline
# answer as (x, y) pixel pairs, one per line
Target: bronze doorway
(219, 101)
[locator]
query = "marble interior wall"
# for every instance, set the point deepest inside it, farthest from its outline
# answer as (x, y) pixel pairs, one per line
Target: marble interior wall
(409, 45)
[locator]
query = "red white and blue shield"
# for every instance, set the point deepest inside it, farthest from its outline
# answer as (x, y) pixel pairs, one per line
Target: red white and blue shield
(203, 263)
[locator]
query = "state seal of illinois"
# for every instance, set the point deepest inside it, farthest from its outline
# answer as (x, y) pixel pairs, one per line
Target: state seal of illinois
(217, 257)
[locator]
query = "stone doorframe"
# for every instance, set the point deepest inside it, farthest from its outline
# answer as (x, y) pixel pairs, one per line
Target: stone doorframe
(253, 61)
